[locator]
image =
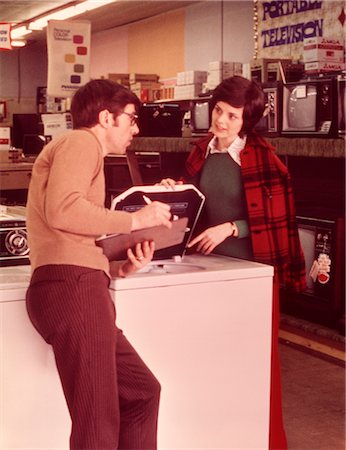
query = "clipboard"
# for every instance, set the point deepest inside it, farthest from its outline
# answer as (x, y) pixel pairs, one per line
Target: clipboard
(115, 246)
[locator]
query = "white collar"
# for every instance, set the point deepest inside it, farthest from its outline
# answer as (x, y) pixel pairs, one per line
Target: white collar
(234, 149)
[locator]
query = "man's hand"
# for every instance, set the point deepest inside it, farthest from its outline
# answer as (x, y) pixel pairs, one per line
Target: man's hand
(141, 256)
(157, 213)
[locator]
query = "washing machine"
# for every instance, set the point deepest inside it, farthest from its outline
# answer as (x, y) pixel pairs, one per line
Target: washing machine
(203, 326)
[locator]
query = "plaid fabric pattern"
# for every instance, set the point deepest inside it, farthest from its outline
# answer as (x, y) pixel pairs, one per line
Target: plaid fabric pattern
(270, 203)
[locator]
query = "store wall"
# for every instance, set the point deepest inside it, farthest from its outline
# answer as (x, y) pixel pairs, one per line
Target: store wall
(21, 71)
(184, 39)
(156, 45)
(109, 52)
(218, 31)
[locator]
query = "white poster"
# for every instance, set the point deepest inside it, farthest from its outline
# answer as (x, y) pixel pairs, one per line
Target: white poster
(55, 125)
(5, 36)
(68, 46)
(282, 26)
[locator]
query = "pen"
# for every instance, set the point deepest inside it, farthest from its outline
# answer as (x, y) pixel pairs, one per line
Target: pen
(148, 201)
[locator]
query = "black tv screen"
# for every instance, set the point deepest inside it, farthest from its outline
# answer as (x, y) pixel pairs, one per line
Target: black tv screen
(299, 107)
(24, 124)
(200, 116)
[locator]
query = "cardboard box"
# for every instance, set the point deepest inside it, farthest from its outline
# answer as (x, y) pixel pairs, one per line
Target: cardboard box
(147, 94)
(167, 92)
(227, 66)
(322, 49)
(187, 91)
(172, 81)
(121, 78)
(220, 65)
(135, 77)
(323, 42)
(145, 85)
(326, 55)
(324, 66)
(5, 138)
(191, 77)
(216, 76)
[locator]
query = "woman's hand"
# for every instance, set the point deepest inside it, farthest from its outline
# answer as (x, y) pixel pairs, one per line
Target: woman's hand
(169, 183)
(138, 259)
(212, 237)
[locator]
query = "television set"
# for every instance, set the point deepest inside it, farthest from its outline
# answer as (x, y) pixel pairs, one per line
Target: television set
(200, 116)
(271, 121)
(24, 124)
(322, 237)
(160, 120)
(33, 144)
(310, 108)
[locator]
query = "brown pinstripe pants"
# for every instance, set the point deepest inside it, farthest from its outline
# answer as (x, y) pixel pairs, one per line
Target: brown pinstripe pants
(112, 396)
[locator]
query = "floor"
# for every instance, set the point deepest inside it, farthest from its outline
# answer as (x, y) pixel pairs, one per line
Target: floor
(313, 398)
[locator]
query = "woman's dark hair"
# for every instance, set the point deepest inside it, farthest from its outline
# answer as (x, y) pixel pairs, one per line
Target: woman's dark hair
(97, 95)
(240, 92)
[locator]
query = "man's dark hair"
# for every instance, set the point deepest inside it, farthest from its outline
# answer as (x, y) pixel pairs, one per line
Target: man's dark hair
(96, 96)
(240, 92)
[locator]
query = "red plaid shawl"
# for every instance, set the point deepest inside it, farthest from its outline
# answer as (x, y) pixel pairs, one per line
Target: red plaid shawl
(271, 209)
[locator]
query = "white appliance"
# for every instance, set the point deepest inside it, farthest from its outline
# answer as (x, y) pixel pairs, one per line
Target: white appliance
(204, 329)
(33, 413)
(14, 249)
(203, 326)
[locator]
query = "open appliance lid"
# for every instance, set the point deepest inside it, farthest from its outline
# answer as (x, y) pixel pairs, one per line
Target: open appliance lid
(186, 201)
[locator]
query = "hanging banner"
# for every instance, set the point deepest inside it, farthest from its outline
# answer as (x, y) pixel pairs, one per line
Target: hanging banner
(5, 36)
(68, 45)
(282, 26)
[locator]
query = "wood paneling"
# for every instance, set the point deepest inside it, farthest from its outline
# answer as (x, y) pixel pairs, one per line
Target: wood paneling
(156, 45)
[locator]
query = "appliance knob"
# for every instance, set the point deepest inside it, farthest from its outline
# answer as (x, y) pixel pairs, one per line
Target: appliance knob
(16, 242)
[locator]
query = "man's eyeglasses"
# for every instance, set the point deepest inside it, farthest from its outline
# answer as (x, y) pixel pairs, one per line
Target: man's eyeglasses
(133, 118)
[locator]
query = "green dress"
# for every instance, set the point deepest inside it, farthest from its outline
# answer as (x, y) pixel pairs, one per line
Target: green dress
(222, 186)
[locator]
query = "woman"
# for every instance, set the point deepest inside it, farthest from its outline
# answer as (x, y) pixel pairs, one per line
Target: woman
(249, 210)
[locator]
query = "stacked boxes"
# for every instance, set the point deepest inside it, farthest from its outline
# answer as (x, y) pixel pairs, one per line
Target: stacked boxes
(219, 70)
(146, 91)
(167, 88)
(189, 83)
(323, 67)
(322, 55)
(121, 78)
(145, 86)
(138, 77)
(191, 77)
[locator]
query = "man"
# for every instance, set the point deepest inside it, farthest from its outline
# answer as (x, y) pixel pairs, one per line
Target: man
(111, 395)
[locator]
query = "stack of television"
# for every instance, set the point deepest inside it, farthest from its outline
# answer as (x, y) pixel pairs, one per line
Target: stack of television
(313, 106)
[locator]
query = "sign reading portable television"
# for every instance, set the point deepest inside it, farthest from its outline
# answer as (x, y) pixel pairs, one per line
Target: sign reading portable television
(68, 46)
(282, 26)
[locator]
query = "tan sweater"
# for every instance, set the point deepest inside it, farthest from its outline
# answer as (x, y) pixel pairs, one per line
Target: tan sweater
(65, 209)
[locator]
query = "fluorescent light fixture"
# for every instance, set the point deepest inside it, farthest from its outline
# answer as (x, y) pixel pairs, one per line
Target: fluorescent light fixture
(19, 32)
(18, 43)
(66, 13)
